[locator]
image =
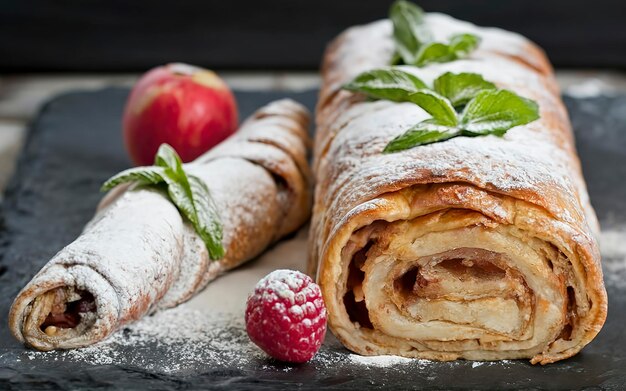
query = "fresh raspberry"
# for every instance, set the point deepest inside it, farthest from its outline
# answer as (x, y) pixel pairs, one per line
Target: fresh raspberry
(286, 316)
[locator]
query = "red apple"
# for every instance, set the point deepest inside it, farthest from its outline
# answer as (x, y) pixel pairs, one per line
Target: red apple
(187, 107)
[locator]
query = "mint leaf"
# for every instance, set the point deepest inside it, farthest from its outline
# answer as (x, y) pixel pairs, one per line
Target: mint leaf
(460, 88)
(180, 194)
(208, 227)
(495, 112)
(490, 111)
(414, 41)
(167, 157)
(433, 52)
(391, 84)
(463, 44)
(142, 175)
(190, 195)
(436, 105)
(409, 29)
(460, 46)
(425, 132)
(193, 199)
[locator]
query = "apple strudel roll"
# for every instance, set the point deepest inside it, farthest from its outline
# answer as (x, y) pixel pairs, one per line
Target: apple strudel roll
(138, 255)
(480, 248)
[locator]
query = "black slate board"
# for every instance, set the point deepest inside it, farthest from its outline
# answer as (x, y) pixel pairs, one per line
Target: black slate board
(75, 144)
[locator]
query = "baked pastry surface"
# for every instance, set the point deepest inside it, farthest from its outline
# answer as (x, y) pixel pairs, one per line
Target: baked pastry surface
(478, 248)
(138, 255)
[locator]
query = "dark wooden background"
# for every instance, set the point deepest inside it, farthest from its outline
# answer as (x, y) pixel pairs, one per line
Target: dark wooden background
(132, 35)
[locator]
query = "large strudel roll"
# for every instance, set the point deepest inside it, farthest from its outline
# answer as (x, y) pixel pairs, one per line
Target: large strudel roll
(479, 248)
(138, 255)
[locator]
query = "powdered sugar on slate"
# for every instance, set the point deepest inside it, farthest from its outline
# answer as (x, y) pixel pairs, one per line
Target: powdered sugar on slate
(384, 361)
(184, 341)
(613, 249)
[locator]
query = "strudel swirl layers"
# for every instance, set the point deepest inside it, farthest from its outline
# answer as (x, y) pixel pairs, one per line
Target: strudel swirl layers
(138, 255)
(477, 248)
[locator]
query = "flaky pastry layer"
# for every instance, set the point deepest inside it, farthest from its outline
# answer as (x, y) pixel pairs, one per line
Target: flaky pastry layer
(477, 248)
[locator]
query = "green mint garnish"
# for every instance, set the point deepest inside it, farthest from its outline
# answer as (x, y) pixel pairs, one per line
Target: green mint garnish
(389, 84)
(409, 29)
(190, 195)
(436, 105)
(460, 88)
(414, 42)
(426, 132)
(495, 112)
(460, 46)
(462, 104)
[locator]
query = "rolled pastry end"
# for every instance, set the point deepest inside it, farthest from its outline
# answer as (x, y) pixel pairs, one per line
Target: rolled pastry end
(66, 307)
(445, 283)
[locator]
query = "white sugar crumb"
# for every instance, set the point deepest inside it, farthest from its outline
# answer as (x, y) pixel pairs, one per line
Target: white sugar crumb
(389, 361)
(613, 249)
(291, 279)
(590, 87)
(186, 341)
(383, 361)
(281, 283)
(182, 339)
(296, 310)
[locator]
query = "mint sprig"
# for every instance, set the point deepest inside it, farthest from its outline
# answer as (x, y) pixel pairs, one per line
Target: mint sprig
(426, 132)
(409, 29)
(489, 112)
(436, 105)
(461, 104)
(190, 195)
(495, 112)
(391, 84)
(460, 88)
(460, 46)
(414, 41)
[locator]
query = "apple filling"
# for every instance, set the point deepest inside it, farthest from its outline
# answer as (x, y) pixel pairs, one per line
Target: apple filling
(465, 286)
(61, 310)
(453, 282)
(65, 313)
(354, 299)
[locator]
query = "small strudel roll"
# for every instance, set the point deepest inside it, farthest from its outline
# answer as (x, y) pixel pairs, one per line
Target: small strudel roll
(479, 248)
(138, 255)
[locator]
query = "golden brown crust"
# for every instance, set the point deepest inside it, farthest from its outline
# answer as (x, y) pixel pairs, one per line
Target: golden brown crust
(528, 185)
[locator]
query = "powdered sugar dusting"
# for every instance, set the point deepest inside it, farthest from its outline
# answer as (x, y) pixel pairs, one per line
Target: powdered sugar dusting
(613, 249)
(535, 161)
(282, 283)
(384, 361)
(202, 335)
(536, 157)
(252, 205)
(186, 341)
